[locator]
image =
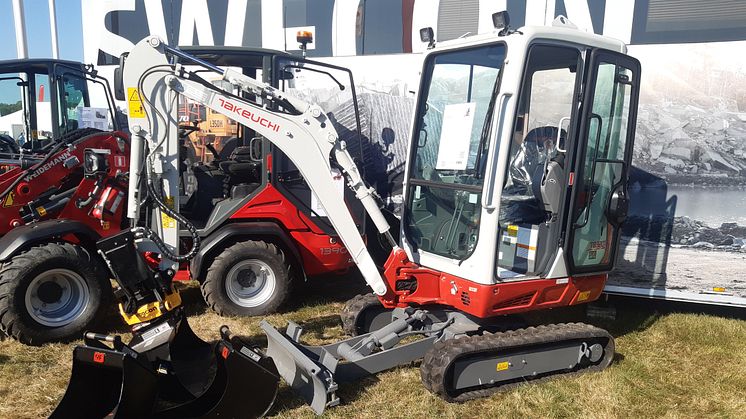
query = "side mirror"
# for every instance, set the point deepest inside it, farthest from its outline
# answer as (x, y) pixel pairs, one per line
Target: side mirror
(255, 149)
(618, 207)
(119, 78)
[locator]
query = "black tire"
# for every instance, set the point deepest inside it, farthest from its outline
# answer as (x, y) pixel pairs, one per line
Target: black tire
(231, 280)
(362, 314)
(32, 278)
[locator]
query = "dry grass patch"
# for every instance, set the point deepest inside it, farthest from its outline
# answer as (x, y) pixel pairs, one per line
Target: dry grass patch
(668, 365)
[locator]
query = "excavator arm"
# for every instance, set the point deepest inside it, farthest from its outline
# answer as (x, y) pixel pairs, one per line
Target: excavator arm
(299, 129)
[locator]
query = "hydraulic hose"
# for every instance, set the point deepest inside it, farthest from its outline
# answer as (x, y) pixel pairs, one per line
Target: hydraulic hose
(145, 232)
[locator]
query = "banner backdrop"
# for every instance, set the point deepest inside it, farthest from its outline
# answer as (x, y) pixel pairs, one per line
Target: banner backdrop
(686, 236)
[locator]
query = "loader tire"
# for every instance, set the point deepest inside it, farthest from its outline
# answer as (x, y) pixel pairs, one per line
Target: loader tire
(250, 278)
(52, 293)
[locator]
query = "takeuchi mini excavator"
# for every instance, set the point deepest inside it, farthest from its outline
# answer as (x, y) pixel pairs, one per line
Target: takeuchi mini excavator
(515, 191)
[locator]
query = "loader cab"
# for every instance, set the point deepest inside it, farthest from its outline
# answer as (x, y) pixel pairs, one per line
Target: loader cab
(228, 164)
(519, 157)
(42, 100)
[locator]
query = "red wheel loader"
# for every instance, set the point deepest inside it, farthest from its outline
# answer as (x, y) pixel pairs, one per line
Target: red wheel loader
(515, 190)
(62, 182)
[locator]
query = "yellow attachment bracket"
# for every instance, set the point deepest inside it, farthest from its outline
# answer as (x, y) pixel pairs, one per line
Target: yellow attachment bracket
(150, 311)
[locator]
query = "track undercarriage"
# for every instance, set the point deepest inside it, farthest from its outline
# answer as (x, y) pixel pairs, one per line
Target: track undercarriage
(463, 357)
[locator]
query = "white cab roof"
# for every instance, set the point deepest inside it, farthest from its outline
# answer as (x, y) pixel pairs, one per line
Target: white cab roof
(529, 33)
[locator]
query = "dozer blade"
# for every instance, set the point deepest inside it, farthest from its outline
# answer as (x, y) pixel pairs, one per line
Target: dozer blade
(178, 380)
(107, 383)
(310, 374)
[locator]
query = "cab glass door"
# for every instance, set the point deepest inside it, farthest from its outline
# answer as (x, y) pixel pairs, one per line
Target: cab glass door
(600, 199)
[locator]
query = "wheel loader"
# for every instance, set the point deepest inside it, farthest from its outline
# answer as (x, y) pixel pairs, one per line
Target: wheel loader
(515, 191)
(260, 235)
(63, 167)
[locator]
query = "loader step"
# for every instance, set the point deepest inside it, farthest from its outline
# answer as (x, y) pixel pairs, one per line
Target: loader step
(477, 366)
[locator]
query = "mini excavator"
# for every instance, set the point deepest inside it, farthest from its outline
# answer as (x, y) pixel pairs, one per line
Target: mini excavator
(515, 190)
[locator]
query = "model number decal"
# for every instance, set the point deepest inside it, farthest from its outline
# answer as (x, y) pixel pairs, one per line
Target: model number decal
(325, 251)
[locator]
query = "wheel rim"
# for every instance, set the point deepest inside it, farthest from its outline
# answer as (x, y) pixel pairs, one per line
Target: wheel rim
(250, 283)
(57, 297)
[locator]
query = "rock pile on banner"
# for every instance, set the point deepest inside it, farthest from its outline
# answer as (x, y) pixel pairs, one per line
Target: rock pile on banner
(686, 232)
(689, 144)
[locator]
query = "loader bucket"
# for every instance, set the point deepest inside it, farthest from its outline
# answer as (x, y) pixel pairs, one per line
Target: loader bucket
(107, 382)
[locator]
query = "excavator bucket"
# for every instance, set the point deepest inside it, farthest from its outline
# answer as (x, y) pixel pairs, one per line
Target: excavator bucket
(230, 380)
(245, 386)
(108, 383)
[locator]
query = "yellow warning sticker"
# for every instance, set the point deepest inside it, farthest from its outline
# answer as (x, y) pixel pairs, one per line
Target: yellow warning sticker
(135, 104)
(502, 366)
(42, 211)
(9, 199)
(166, 220)
(582, 296)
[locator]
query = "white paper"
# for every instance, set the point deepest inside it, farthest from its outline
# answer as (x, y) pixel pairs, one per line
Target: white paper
(93, 118)
(455, 136)
(339, 182)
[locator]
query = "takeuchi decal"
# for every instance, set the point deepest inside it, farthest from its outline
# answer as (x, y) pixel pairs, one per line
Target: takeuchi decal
(245, 113)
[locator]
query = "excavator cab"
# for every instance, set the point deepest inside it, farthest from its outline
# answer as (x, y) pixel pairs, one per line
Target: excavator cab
(519, 160)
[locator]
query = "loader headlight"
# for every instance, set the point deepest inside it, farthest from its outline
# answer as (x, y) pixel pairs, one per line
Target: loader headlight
(94, 162)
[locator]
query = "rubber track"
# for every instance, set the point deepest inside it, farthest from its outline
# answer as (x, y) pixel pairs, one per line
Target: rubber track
(442, 355)
(352, 309)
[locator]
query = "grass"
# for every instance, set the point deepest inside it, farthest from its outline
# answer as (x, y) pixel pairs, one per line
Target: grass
(671, 362)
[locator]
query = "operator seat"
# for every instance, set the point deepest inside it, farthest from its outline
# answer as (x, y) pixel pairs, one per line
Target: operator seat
(240, 167)
(530, 194)
(243, 174)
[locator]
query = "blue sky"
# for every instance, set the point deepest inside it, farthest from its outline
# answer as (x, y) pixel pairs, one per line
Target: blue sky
(69, 32)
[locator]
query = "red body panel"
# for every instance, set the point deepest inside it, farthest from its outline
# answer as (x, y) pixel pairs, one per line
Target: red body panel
(54, 174)
(320, 252)
(434, 287)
